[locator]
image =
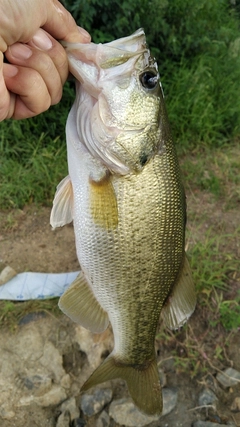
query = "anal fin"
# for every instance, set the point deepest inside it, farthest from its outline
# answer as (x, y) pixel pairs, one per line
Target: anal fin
(79, 303)
(182, 301)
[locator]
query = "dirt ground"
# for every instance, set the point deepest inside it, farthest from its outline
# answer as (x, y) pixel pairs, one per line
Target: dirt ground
(27, 243)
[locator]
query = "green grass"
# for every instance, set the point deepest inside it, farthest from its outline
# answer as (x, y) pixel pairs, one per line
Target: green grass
(201, 113)
(214, 170)
(214, 267)
(33, 156)
(11, 313)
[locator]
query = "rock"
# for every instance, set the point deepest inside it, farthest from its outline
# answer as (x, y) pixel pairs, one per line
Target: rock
(78, 422)
(52, 360)
(6, 414)
(235, 407)
(71, 406)
(54, 397)
(208, 424)
(162, 377)
(124, 412)
(229, 378)
(64, 419)
(124, 409)
(65, 381)
(7, 274)
(103, 420)
(31, 317)
(207, 397)
(37, 384)
(91, 404)
(170, 396)
(94, 345)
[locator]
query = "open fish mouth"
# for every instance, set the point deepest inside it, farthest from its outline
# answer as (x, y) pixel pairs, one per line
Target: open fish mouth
(114, 53)
(119, 84)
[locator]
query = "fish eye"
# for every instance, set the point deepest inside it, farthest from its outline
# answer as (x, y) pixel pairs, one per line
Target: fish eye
(148, 79)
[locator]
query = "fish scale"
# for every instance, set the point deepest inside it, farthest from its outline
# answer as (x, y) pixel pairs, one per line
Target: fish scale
(125, 197)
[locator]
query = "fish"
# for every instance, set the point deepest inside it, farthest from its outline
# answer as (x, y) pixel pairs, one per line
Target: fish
(126, 199)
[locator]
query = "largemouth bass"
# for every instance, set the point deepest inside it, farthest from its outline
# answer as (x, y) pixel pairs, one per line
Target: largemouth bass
(125, 197)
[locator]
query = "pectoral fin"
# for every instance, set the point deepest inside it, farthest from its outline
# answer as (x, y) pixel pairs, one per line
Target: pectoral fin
(103, 203)
(62, 210)
(182, 301)
(79, 303)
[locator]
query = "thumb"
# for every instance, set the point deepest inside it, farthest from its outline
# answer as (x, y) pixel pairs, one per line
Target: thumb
(61, 25)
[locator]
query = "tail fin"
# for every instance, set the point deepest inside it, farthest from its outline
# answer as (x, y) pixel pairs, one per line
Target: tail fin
(142, 381)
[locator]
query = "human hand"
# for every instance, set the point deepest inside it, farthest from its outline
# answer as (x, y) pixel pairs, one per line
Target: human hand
(37, 65)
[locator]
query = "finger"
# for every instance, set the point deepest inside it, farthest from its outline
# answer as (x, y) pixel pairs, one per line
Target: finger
(56, 52)
(4, 94)
(42, 63)
(61, 25)
(32, 95)
(19, 20)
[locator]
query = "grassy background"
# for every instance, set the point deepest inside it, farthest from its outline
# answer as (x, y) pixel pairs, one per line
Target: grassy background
(197, 46)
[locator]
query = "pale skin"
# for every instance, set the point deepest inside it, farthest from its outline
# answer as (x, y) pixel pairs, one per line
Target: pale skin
(37, 68)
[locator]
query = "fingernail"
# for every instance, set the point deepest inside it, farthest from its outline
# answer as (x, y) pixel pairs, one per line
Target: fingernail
(41, 40)
(84, 33)
(20, 51)
(9, 70)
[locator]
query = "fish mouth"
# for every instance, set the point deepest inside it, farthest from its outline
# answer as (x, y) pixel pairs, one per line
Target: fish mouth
(105, 123)
(114, 53)
(86, 60)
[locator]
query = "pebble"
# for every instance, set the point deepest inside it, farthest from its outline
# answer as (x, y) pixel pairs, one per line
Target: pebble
(94, 346)
(7, 274)
(52, 359)
(6, 414)
(78, 422)
(53, 398)
(235, 407)
(208, 424)
(170, 396)
(31, 317)
(124, 409)
(38, 384)
(103, 420)
(91, 404)
(207, 397)
(64, 419)
(162, 377)
(65, 381)
(229, 378)
(70, 406)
